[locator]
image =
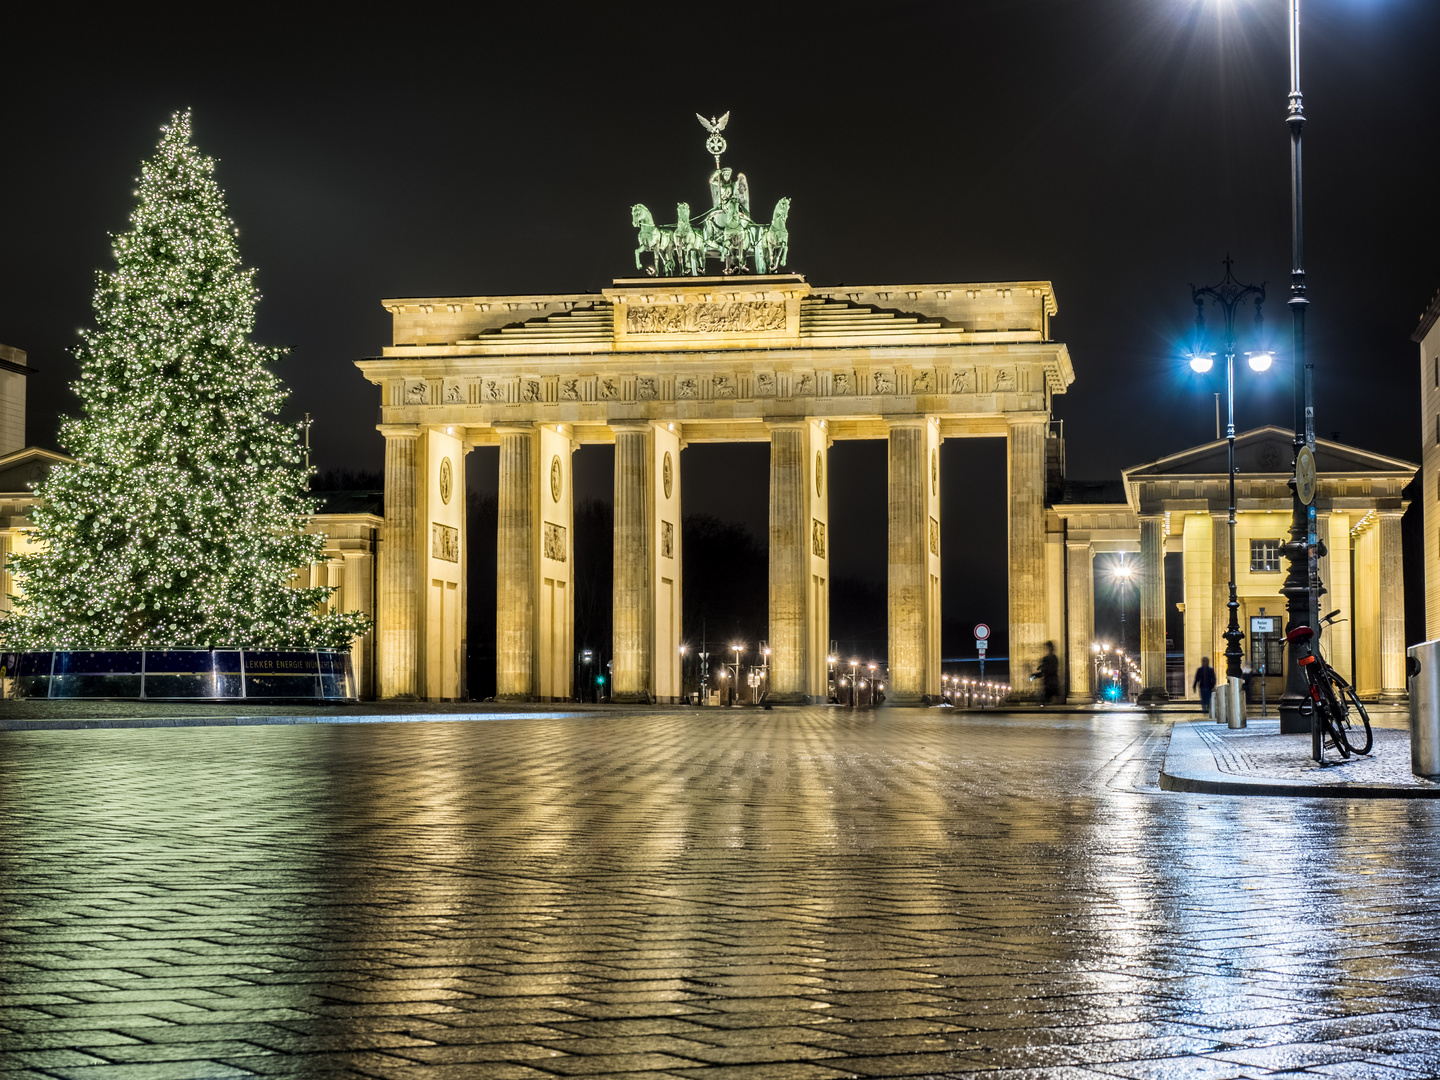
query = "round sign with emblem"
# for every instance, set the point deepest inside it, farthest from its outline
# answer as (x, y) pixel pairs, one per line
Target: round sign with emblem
(1305, 475)
(982, 632)
(447, 480)
(557, 478)
(667, 468)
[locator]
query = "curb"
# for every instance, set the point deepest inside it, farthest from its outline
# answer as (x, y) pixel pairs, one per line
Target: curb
(1206, 777)
(1196, 786)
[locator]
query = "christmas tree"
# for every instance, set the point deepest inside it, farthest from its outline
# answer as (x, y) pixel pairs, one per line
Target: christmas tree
(180, 522)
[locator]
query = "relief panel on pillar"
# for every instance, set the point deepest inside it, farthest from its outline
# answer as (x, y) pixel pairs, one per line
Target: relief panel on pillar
(444, 517)
(667, 587)
(555, 606)
(818, 599)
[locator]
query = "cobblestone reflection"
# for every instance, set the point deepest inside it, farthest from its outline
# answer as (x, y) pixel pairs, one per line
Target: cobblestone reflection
(798, 894)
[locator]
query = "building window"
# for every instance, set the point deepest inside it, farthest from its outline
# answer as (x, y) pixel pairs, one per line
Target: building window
(1264, 554)
(1267, 654)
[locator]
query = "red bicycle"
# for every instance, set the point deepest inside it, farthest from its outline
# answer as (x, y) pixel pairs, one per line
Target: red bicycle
(1335, 700)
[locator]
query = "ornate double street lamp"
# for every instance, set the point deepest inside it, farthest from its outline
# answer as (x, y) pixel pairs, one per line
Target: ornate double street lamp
(1228, 295)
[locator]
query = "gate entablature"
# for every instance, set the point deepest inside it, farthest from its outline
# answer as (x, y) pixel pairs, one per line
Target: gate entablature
(723, 356)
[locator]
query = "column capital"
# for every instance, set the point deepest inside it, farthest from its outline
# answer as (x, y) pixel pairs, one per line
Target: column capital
(1014, 419)
(399, 431)
(632, 425)
(517, 428)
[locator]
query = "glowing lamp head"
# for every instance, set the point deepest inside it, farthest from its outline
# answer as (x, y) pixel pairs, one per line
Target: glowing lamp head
(1201, 362)
(1260, 361)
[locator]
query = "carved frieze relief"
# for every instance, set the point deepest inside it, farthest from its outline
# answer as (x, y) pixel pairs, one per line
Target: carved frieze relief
(752, 317)
(764, 384)
(841, 384)
(686, 387)
(444, 542)
(884, 382)
(724, 386)
(453, 394)
(554, 542)
(570, 389)
(645, 387)
(921, 383)
(962, 381)
(1004, 380)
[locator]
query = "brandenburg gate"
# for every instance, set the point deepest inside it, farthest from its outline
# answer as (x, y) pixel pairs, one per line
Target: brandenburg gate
(653, 364)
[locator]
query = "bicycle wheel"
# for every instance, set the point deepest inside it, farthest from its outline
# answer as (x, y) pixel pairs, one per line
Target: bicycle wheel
(1330, 716)
(1349, 702)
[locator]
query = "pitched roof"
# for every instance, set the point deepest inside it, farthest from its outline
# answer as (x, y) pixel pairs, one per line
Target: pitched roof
(1269, 450)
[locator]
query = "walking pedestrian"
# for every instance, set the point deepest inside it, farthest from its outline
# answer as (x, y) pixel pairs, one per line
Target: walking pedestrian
(1049, 675)
(1204, 682)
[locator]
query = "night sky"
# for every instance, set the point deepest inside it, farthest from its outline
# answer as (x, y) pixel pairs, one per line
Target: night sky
(1119, 148)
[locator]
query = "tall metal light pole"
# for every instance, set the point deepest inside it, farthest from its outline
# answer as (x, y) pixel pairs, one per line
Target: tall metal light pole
(1302, 583)
(1229, 294)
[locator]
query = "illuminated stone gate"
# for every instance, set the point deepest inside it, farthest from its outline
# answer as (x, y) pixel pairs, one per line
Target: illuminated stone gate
(652, 365)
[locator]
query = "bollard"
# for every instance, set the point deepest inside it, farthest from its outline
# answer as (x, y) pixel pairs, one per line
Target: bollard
(1217, 703)
(1235, 704)
(1422, 671)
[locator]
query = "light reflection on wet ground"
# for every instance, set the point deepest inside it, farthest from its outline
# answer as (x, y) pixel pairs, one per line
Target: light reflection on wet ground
(793, 894)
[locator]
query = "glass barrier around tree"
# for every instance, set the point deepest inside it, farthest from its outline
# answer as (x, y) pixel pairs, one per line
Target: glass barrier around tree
(184, 674)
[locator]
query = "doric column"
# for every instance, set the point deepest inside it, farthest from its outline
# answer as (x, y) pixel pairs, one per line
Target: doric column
(515, 567)
(914, 573)
(360, 596)
(634, 604)
(1392, 606)
(1080, 587)
(1368, 588)
(1197, 542)
(1152, 608)
(789, 562)
(1026, 451)
(401, 591)
(1219, 587)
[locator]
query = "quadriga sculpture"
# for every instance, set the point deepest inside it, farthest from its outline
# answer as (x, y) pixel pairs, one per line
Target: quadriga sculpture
(660, 243)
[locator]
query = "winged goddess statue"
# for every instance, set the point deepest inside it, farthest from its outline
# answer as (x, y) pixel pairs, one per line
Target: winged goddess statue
(716, 142)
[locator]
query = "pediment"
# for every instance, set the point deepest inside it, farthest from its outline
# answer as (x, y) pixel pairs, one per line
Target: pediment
(22, 469)
(1268, 450)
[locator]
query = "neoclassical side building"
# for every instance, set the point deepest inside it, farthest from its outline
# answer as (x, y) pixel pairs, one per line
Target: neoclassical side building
(1179, 504)
(653, 365)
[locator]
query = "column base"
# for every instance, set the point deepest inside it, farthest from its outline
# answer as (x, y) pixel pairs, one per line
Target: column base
(514, 697)
(907, 700)
(1393, 697)
(796, 698)
(642, 698)
(1152, 697)
(1080, 699)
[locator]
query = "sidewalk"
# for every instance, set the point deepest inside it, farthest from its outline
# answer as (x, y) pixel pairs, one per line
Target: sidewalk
(1257, 760)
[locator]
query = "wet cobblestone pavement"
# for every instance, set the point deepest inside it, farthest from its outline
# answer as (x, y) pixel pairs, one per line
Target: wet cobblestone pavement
(797, 894)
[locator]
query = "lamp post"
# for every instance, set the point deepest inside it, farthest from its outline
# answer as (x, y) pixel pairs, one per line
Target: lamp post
(1302, 581)
(1229, 294)
(735, 686)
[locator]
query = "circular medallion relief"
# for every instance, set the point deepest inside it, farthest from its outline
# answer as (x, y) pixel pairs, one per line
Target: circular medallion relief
(557, 479)
(447, 480)
(934, 472)
(667, 470)
(819, 474)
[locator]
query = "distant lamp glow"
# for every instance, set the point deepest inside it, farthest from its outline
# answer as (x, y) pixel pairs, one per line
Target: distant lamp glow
(1201, 362)
(1260, 361)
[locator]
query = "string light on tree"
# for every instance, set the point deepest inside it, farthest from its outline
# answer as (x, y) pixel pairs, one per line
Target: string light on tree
(180, 522)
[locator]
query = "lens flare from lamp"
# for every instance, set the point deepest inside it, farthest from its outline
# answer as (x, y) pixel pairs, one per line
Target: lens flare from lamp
(1260, 361)
(1201, 363)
